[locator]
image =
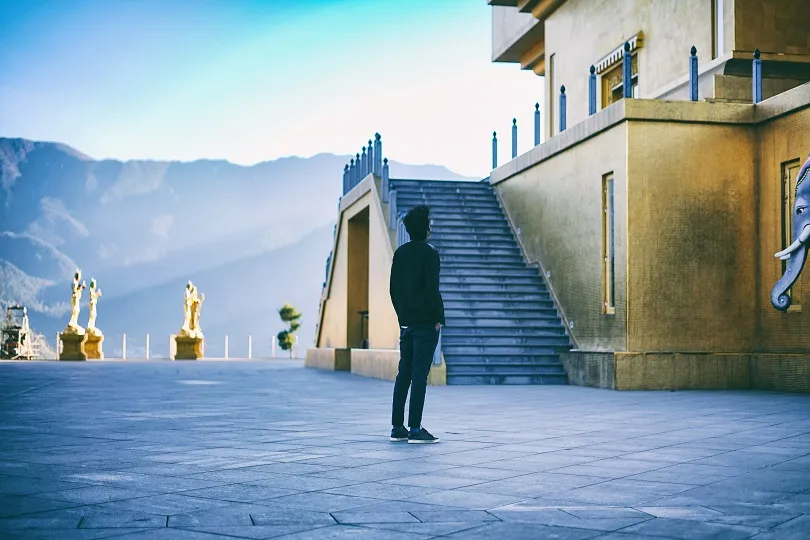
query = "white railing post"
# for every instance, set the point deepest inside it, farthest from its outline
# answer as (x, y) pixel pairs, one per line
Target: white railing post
(273, 348)
(147, 346)
(226, 346)
(124, 347)
(58, 343)
(172, 352)
(250, 347)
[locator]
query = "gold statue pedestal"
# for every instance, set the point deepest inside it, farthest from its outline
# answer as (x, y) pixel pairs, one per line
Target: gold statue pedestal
(74, 341)
(189, 347)
(93, 344)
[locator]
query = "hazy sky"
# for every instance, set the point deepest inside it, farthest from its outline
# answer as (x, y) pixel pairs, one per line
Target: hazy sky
(249, 81)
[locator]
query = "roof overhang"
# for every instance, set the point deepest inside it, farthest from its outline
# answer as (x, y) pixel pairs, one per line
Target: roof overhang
(528, 48)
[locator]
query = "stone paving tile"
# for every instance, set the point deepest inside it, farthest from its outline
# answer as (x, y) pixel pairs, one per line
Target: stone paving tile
(170, 534)
(254, 456)
(341, 532)
(690, 530)
(429, 529)
(239, 492)
(452, 515)
(689, 473)
(120, 519)
(503, 530)
(19, 506)
(358, 517)
(467, 499)
(697, 513)
(322, 502)
(559, 518)
(257, 532)
(71, 534)
(162, 504)
(377, 490)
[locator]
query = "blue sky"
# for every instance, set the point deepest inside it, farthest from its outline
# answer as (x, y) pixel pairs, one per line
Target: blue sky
(249, 81)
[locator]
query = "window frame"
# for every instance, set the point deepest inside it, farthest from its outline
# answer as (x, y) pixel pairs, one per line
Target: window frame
(608, 244)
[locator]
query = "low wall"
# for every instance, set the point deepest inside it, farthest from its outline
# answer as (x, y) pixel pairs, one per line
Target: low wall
(384, 364)
(589, 369)
(329, 359)
(688, 371)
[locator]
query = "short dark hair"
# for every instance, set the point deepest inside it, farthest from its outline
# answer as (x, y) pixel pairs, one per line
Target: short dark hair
(417, 222)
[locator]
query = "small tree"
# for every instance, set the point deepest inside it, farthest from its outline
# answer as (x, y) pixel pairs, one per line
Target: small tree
(289, 315)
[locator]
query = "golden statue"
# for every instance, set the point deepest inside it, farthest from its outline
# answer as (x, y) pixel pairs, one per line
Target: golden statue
(195, 313)
(75, 300)
(189, 340)
(192, 303)
(94, 294)
(188, 302)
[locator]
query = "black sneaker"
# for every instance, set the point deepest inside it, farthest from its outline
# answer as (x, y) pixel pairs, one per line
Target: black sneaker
(422, 437)
(399, 434)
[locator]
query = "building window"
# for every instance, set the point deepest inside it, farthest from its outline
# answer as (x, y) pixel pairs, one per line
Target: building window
(608, 247)
(613, 83)
(790, 171)
(553, 95)
(717, 28)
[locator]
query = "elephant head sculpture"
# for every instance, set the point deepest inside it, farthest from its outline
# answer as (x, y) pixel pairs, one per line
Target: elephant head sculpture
(796, 253)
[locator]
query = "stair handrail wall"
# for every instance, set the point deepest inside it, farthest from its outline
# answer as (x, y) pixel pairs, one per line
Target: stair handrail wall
(523, 252)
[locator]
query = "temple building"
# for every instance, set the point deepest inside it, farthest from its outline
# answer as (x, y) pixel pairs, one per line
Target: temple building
(633, 246)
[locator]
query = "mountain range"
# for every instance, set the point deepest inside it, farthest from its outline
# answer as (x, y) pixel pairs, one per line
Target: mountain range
(250, 237)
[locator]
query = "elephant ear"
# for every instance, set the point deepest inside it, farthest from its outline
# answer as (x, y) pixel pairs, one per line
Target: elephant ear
(804, 172)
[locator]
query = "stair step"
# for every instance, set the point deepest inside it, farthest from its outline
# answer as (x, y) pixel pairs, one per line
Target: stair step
(447, 202)
(506, 273)
(461, 309)
(489, 287)
(472, 242)
(549, 337)
(540, 298)
(506, 378)
(504, 320)
(471, 279)
(495, 369)
(440, 206)
(498, 306)
(466, 184)
(527, 314)
(516, 317)
(506, 350)
(447, 198)
(474, 265)
(471, 236)
(475, 252)
(486, 329)
(483, 257)
(439, 191)
(459, 226)
(503, 360)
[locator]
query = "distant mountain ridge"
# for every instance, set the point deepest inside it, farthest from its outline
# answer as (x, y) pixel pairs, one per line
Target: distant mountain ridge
(145, 226)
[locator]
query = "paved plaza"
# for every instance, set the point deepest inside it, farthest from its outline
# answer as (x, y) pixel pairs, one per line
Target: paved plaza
(239, 449)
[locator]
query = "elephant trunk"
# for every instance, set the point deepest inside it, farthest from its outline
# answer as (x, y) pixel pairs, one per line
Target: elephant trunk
(779, 297)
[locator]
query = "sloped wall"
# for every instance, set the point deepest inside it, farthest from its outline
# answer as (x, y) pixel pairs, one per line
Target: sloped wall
(383, 329)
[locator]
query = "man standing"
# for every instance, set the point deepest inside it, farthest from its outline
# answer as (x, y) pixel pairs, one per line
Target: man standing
(415, 294)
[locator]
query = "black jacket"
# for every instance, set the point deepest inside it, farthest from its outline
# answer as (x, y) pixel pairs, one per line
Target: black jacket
(414, 285)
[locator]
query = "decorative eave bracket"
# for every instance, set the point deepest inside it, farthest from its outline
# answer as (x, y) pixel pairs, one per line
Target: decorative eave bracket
(610, 60)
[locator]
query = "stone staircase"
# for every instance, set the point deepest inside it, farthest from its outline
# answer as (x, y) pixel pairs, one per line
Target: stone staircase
(502, 324)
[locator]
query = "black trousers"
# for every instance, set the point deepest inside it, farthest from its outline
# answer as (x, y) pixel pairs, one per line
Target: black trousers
(417, 344)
